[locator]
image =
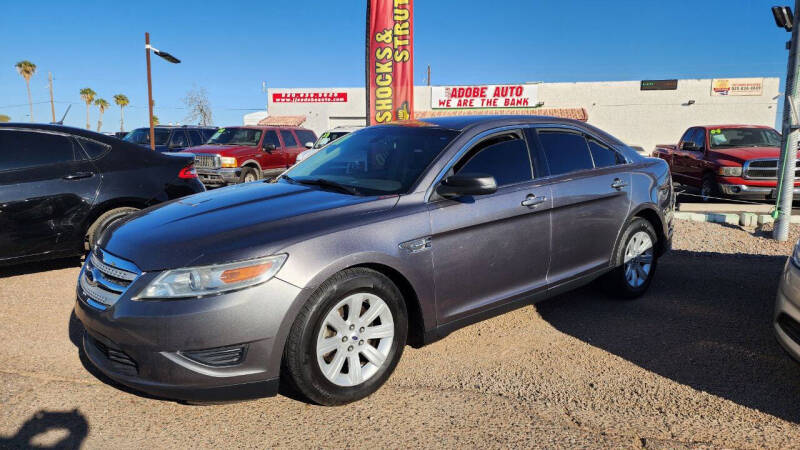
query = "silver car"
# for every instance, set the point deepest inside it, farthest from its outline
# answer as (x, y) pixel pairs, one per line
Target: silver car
(787, 307)
(391, 235)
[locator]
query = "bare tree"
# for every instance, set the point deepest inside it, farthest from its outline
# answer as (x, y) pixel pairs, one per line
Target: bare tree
(196, 102)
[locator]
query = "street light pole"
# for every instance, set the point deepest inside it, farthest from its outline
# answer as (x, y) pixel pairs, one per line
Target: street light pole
(149, 92)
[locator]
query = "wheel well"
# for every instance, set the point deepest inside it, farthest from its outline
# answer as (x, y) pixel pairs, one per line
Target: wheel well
(254, 166)
(416, 328)
(652, 217)
(108, 206)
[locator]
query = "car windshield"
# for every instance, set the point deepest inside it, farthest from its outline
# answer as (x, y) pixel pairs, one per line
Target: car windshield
(743, 137)
(380, 160)
(235, 136)
(141, 136)
(328, 137)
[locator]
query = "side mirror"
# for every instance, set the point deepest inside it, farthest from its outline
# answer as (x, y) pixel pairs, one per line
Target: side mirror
(269, 147)
(467, 184)
(309, 144)
(688, 146)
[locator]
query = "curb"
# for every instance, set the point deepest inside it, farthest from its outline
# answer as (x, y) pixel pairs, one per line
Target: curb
(745, 219)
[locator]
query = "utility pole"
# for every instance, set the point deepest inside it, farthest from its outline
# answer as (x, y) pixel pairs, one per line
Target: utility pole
(52, 103)
(788, 160)
(150, 92)
(429, 74)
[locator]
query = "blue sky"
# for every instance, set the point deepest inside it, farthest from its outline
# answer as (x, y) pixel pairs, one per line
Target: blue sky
(230, 47)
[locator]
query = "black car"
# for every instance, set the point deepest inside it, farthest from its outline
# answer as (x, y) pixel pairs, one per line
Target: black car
(170, 138)
(60, 187)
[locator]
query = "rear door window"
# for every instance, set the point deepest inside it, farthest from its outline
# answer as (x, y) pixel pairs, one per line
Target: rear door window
(603, 155)
(22, 149)
(565, 151)
(288, 138)
(504, 157)
(194, 137)
(93, 148)
(178, 139)
(271, 137)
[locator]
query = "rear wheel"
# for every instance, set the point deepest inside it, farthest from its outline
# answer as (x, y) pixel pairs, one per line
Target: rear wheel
(248, 174)
(103, 222)
(347, 339)
(635, 261)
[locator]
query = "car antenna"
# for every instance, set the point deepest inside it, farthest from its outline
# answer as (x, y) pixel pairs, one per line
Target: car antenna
(61, 122)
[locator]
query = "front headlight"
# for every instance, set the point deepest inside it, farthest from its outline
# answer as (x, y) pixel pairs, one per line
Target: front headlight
(730, 171)
(211, 280)
(796, 255)
(228, 161)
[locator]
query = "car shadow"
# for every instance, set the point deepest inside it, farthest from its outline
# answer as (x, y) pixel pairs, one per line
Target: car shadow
(40, 266)
(706, 322)
(42, 423)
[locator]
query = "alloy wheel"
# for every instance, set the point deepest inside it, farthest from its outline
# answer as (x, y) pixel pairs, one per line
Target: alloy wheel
(354, 340)
(638, 259)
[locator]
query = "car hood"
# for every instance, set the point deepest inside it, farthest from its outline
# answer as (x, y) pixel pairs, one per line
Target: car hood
(239, 222)
(742, 154)
(219, 149)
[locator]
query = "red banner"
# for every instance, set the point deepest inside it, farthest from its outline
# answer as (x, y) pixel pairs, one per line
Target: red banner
(390, 60)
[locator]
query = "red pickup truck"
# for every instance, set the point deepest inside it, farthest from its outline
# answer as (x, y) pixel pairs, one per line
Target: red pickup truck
(726, 161)
(242, 154)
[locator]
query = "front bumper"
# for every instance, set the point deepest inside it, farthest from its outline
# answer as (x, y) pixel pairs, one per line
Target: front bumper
(787, 310)
(747, 191)
(152, 345)
(219, 177)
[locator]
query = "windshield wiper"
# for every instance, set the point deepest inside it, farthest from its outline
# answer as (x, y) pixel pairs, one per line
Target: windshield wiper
(322, 182)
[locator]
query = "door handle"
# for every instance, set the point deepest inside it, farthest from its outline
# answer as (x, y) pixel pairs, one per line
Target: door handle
(532, 200)
(78, 175)
(618, 184)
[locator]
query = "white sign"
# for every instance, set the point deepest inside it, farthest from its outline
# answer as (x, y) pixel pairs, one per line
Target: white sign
(485, 96)
(736, 86)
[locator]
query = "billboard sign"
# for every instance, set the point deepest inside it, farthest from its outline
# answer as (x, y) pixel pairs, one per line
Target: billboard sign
(736, 86)
(390, 60)
(485, 96)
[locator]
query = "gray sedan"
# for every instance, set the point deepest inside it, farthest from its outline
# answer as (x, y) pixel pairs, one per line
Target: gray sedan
(392, 235)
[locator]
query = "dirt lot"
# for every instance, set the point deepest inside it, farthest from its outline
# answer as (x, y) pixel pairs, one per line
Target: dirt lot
(693, 363)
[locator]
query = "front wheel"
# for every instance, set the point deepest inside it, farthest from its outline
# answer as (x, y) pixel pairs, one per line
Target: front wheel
(709, 189)
(635, 261)
(347, 339)
(248, 174)
(104, 221)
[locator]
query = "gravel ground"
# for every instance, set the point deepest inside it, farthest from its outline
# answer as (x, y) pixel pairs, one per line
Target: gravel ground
(723, 238)
(691, 364)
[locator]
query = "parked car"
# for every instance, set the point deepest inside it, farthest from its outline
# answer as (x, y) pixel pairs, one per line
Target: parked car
(787, 307)
(738, 161)
(170, 138)
(325, 139)
(60, 187)
(243, 154)
(400, 233)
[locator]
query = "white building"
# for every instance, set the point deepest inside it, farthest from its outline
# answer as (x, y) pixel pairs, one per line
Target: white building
(640, 113)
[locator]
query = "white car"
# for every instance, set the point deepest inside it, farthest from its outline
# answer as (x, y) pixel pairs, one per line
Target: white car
(325, 139)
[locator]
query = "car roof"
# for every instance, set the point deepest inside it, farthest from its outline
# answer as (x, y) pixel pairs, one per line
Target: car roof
(464, 122)
(710, 127)
(54, 128)
(347, 128)
(268, 127)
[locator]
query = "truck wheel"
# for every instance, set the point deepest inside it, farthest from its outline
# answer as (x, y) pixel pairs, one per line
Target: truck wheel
(635, 261)
(347, 339)
(709, 188)
(248, 174)
(101, 223)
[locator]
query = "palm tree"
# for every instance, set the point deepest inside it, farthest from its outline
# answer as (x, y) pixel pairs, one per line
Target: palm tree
(101, 104)
(155, 120)
(122, 101)
(27, 69)
(4, 118)
(87, 94)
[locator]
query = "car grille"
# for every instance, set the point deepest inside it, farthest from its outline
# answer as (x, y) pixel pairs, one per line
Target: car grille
(104, 278)
(764, 169)
(120, 360)
(207, 161)
(790, 327)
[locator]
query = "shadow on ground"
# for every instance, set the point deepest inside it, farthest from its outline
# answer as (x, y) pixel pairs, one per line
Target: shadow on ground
(49, 429)
(706, 322)
(39, 266)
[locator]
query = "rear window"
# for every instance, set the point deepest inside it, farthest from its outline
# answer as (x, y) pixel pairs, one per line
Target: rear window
(141, 136)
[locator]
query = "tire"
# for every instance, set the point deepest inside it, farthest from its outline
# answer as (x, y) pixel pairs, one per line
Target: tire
(709, 188)
(101, 223)
(625, 280)
(317, 325)
(248, 174)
